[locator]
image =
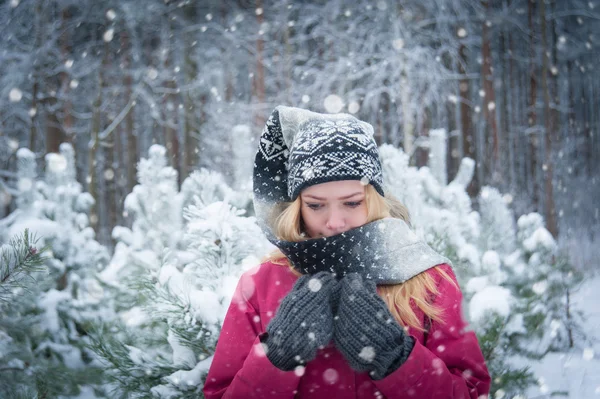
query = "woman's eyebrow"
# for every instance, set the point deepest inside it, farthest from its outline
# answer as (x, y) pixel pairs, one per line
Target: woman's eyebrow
(340, 198)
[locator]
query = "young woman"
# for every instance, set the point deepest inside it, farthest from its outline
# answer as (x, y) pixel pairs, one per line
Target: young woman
(353, 304)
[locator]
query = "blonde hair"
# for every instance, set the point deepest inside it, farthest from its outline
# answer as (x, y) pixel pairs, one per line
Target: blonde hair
(400, 298)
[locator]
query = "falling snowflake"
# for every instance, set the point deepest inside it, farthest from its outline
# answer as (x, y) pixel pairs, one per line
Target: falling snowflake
(333, 103)
(108, 35)
(111, 15)
(109, 174)
(152, 73)
(330, 376)
(314, 285)
(299, 371)
(398, 44)
(15, 95)
(367, 354)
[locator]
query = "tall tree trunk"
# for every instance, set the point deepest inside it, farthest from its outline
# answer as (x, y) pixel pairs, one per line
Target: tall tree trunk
(51, 90)
(171, 107)
(422, 153)
(259, 75)
(505, 150)
(532, 113)
(549, 133)
(509, 106)
(36, 76)
(130, 134)
(466, 123)
(408, 119)
(110, 174)
(65, 79)
(95, 141)
(489, 99)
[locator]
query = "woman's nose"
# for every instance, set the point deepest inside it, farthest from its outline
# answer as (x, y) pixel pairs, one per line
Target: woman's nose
(335, 220)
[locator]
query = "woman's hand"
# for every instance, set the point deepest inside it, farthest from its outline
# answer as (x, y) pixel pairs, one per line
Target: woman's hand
(303, 323)
(365, 331)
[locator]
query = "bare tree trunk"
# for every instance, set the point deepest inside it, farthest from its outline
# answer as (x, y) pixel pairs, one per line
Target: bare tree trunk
(259, 76)
(33, 134)
(132, 152)
(489, 99)
(509, 106)
(110, 182)
(532, 114)
(54, 134)
(549, 133)
(408, 119)
(422, 153)
(287, 59)
(65, 80)
(505, 150)
(171, 109)
(95, 141)
(466, 122)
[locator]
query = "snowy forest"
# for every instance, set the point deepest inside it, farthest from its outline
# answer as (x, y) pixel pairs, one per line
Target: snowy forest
(128, 131)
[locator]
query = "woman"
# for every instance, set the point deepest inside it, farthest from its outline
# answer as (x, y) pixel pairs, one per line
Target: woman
(353, 305)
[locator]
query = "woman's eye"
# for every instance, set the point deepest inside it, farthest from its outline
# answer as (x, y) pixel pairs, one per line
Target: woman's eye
(314, 206)
(353, 204)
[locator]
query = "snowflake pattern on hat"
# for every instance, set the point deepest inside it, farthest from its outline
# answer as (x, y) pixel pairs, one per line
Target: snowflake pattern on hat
(332, 150)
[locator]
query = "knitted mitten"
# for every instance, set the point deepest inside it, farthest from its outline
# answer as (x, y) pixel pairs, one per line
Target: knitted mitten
(303, 323)
(365, 331)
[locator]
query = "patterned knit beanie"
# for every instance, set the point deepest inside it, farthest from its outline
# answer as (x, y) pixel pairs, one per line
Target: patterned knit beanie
(300, 148)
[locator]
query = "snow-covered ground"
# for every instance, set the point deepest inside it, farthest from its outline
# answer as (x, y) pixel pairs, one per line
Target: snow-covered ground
(575, 374)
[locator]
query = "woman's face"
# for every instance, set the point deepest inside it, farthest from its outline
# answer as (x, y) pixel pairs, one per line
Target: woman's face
(332, 208)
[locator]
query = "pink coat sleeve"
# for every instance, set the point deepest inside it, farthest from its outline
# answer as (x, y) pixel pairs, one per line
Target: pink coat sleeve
(450, 364)
(240, 368)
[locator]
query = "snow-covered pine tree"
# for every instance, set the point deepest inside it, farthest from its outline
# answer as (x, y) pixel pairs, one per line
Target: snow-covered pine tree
(543, 280)
(21, 263)
(477, 244)
(441, 214)
(54, 315)
(168, 329)
(155, 207)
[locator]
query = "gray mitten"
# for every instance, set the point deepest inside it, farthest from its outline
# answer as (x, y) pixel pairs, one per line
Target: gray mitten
(365, 331)
(303, 323)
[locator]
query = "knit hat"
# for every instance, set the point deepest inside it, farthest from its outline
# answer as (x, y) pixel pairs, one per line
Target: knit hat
(299, 148)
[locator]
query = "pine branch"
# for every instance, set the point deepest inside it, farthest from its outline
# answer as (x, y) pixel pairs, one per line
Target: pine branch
(19, 260)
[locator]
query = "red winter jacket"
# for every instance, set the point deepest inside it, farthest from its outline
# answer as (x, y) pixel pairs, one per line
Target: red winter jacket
(446, 363)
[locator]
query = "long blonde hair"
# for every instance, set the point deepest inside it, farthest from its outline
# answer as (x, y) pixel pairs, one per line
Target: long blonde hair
(400, 298)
